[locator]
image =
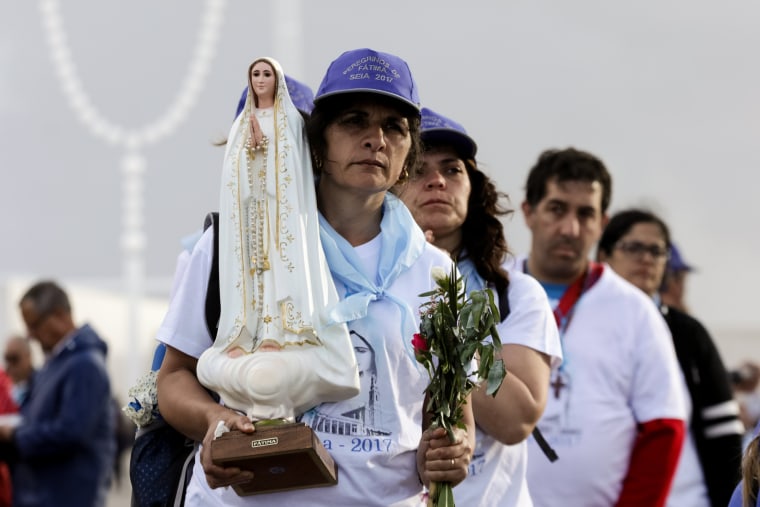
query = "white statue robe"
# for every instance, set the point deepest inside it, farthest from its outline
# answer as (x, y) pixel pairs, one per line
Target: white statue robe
(274, 355)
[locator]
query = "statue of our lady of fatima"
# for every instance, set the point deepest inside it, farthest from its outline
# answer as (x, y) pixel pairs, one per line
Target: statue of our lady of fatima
(274, 355)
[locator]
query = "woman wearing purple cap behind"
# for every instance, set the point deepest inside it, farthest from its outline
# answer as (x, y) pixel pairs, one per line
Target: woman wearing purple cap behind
(364, 137)
(458, 207)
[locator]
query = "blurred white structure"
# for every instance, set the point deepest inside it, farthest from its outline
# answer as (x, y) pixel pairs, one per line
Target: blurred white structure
(134, 165)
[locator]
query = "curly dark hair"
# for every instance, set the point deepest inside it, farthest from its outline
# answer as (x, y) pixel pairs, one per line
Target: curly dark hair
(328, 109)
(483, 239)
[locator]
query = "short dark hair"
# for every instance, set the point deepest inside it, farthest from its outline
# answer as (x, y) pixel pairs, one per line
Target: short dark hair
(623, 221)
(567, 165)
(326, 110)
(47, 297)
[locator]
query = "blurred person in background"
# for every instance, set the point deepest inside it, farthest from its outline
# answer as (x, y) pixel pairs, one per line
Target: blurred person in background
(673, 287)
(19, 366)
(62, 451)
(7, 404)
(636, 244)
(745, 380)
(8, 412)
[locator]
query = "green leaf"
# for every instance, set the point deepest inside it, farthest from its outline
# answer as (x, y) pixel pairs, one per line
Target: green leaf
(495, 338)
(457, 326)
(468, 352)
(492, 304)
(486, 359)
(453, 295)
(451, 435)
(495, 377)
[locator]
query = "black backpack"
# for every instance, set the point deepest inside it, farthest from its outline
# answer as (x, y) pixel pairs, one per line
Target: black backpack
(213, 299)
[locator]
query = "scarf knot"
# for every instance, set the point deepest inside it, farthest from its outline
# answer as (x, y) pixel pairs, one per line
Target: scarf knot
(402, 244)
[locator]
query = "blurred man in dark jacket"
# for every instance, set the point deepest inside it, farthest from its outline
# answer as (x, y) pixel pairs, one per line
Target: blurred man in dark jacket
(62, 451)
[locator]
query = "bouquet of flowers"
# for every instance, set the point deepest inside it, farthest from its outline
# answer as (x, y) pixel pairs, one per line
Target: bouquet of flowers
(454, 328)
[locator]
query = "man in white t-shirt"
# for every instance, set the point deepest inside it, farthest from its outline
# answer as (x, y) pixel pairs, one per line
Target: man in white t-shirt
(615, 413)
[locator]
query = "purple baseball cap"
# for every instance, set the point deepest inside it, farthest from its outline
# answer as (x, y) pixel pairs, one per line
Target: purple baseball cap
(300, 94)
(437, 129)
(370, 71)
(676, 261)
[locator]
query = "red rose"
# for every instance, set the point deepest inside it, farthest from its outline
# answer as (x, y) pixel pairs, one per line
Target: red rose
(419, 343)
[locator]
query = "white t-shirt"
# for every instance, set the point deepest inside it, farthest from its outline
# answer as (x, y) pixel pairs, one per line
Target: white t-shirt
(372, 437)
(497, 471)
(619, 369)
(688, 486)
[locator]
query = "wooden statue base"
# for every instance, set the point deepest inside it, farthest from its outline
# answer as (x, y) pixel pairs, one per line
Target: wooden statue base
(281, 457)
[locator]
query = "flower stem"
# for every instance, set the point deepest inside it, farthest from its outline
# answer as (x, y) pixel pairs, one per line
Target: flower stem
(441, 495)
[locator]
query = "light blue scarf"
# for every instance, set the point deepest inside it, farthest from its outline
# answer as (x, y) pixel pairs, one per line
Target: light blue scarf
(402, 244)
(472, 279)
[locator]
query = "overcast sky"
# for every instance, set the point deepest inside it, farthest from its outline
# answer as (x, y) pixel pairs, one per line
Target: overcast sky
(666, 93)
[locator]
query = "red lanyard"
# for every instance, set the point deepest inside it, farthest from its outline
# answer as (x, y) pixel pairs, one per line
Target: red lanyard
(564, 309)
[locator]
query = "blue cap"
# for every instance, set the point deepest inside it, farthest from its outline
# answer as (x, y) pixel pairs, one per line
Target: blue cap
(676, 262)
(369, 71)
(300, 94)
(437, 129)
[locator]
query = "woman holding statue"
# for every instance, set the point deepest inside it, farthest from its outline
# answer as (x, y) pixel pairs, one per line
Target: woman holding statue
(364, 137)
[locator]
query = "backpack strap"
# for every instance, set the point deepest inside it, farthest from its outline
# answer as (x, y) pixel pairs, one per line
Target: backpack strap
(503, 304)
(213, 299)
(537, 435)
(547, 449)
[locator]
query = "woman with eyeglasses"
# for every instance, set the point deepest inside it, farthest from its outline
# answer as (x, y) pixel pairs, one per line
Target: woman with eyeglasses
(636, 244)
